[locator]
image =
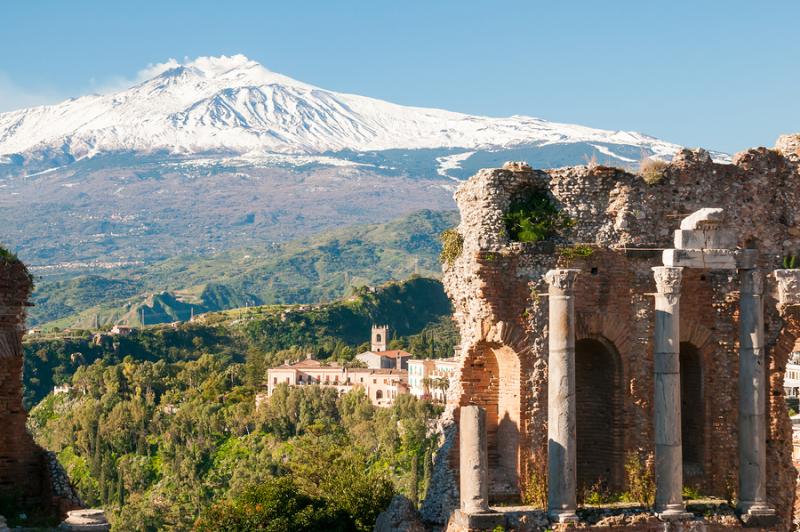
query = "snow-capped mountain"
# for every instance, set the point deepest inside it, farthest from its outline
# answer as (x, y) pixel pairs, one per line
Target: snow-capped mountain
(220, 153)
(234, 105)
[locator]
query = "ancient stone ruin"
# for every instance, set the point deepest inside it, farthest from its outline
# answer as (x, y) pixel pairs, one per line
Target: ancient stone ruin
(31, 480)
(648, 333)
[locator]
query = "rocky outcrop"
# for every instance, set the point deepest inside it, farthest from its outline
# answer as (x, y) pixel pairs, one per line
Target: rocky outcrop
(400, 516)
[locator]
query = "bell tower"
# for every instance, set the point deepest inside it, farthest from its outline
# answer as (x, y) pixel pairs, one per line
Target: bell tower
(380, 338)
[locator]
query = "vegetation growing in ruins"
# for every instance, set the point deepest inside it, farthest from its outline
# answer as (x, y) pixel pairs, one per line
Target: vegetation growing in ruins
(7, 256)
(578, 251)
(652, 170)
(534, 216)
(790, 262)
(452, 246)
(641, 481)
(597, 494)
(691, 493)
(534, 490)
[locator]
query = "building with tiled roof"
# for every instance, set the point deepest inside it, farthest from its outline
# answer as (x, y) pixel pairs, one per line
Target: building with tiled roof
(381, 385)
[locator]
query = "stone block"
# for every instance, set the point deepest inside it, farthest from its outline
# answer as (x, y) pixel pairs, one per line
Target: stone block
(706, 259)
(788, 286)
(704, 218)
(479, 521)
(705, 239)
(766, 520)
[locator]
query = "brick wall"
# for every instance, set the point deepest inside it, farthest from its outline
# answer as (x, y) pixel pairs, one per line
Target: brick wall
(500, 305)
(24, 476)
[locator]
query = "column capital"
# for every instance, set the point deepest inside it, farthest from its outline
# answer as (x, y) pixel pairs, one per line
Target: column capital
(562, 278)
(751, 282)
(788, 286)
(668, 279)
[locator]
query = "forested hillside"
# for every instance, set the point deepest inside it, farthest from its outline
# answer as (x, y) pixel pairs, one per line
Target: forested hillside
(157, 444)
(160, 427)
(417, 310)
(319, 268)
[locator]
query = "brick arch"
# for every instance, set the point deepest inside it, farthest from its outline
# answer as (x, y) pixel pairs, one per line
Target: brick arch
(614, 341)
(606, 328)
(779, 427)
(693, 413)
(491, 377)
(600, 390)
(697, 349)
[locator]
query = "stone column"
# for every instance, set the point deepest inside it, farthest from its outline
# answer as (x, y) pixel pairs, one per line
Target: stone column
(474, 461)
(561, 459)
(752, 398)
(667, 399)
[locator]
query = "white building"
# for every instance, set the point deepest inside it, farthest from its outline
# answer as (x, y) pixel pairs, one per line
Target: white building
(791, 380)
(378, 357)
(382, 386)
(430, 378)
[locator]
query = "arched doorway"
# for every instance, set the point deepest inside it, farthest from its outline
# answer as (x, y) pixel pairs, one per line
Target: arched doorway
(692, 413)
(598, 387)
(490, 378)
(504, 455)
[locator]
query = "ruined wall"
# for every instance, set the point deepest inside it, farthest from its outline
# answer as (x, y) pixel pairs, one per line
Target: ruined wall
(497, 290)
(26, 475)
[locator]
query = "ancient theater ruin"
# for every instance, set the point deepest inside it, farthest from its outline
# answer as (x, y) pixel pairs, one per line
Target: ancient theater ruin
(643, 325)
(32, 483)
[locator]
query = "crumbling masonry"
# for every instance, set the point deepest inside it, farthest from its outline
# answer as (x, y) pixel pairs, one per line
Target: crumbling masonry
(30, 478)
(675, 358)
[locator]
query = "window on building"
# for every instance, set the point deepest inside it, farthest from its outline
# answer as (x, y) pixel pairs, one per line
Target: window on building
(379, 394)
(274, 380)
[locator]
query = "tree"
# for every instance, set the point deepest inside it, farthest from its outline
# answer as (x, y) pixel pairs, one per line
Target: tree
(274, 506)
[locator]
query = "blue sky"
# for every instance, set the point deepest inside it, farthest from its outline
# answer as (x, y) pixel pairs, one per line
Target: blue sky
(719, 74)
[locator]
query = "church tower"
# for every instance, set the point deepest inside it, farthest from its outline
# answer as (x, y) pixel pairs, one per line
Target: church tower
(380, 338)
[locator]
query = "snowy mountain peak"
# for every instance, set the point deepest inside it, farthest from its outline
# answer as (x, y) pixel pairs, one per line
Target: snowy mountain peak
(232, 104)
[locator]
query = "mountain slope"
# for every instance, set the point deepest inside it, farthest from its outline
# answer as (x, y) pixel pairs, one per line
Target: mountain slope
(310, 270)
(220, 153)
(235, 105)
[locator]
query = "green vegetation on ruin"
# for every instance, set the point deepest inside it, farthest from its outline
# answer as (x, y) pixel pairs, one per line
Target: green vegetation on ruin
(452, 246)
(533, 216)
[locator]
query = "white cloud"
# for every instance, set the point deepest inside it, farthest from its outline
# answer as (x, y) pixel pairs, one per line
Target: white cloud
(14, 96)
(118, 83)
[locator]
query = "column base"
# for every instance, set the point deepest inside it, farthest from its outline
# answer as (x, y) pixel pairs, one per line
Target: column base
(676, 512)
(479, 520)
(757, 514)
(563, 516)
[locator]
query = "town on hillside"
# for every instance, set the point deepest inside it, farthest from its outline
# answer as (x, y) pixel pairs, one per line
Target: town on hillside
(383, 374)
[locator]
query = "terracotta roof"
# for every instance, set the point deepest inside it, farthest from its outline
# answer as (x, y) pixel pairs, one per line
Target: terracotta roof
(309, 363)
(392, 353)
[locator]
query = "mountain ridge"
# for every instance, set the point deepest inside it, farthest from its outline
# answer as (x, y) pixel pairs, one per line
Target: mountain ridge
(218, 104)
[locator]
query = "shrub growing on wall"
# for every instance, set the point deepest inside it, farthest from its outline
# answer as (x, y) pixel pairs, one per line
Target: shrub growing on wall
(533, 217)
(452, 245)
